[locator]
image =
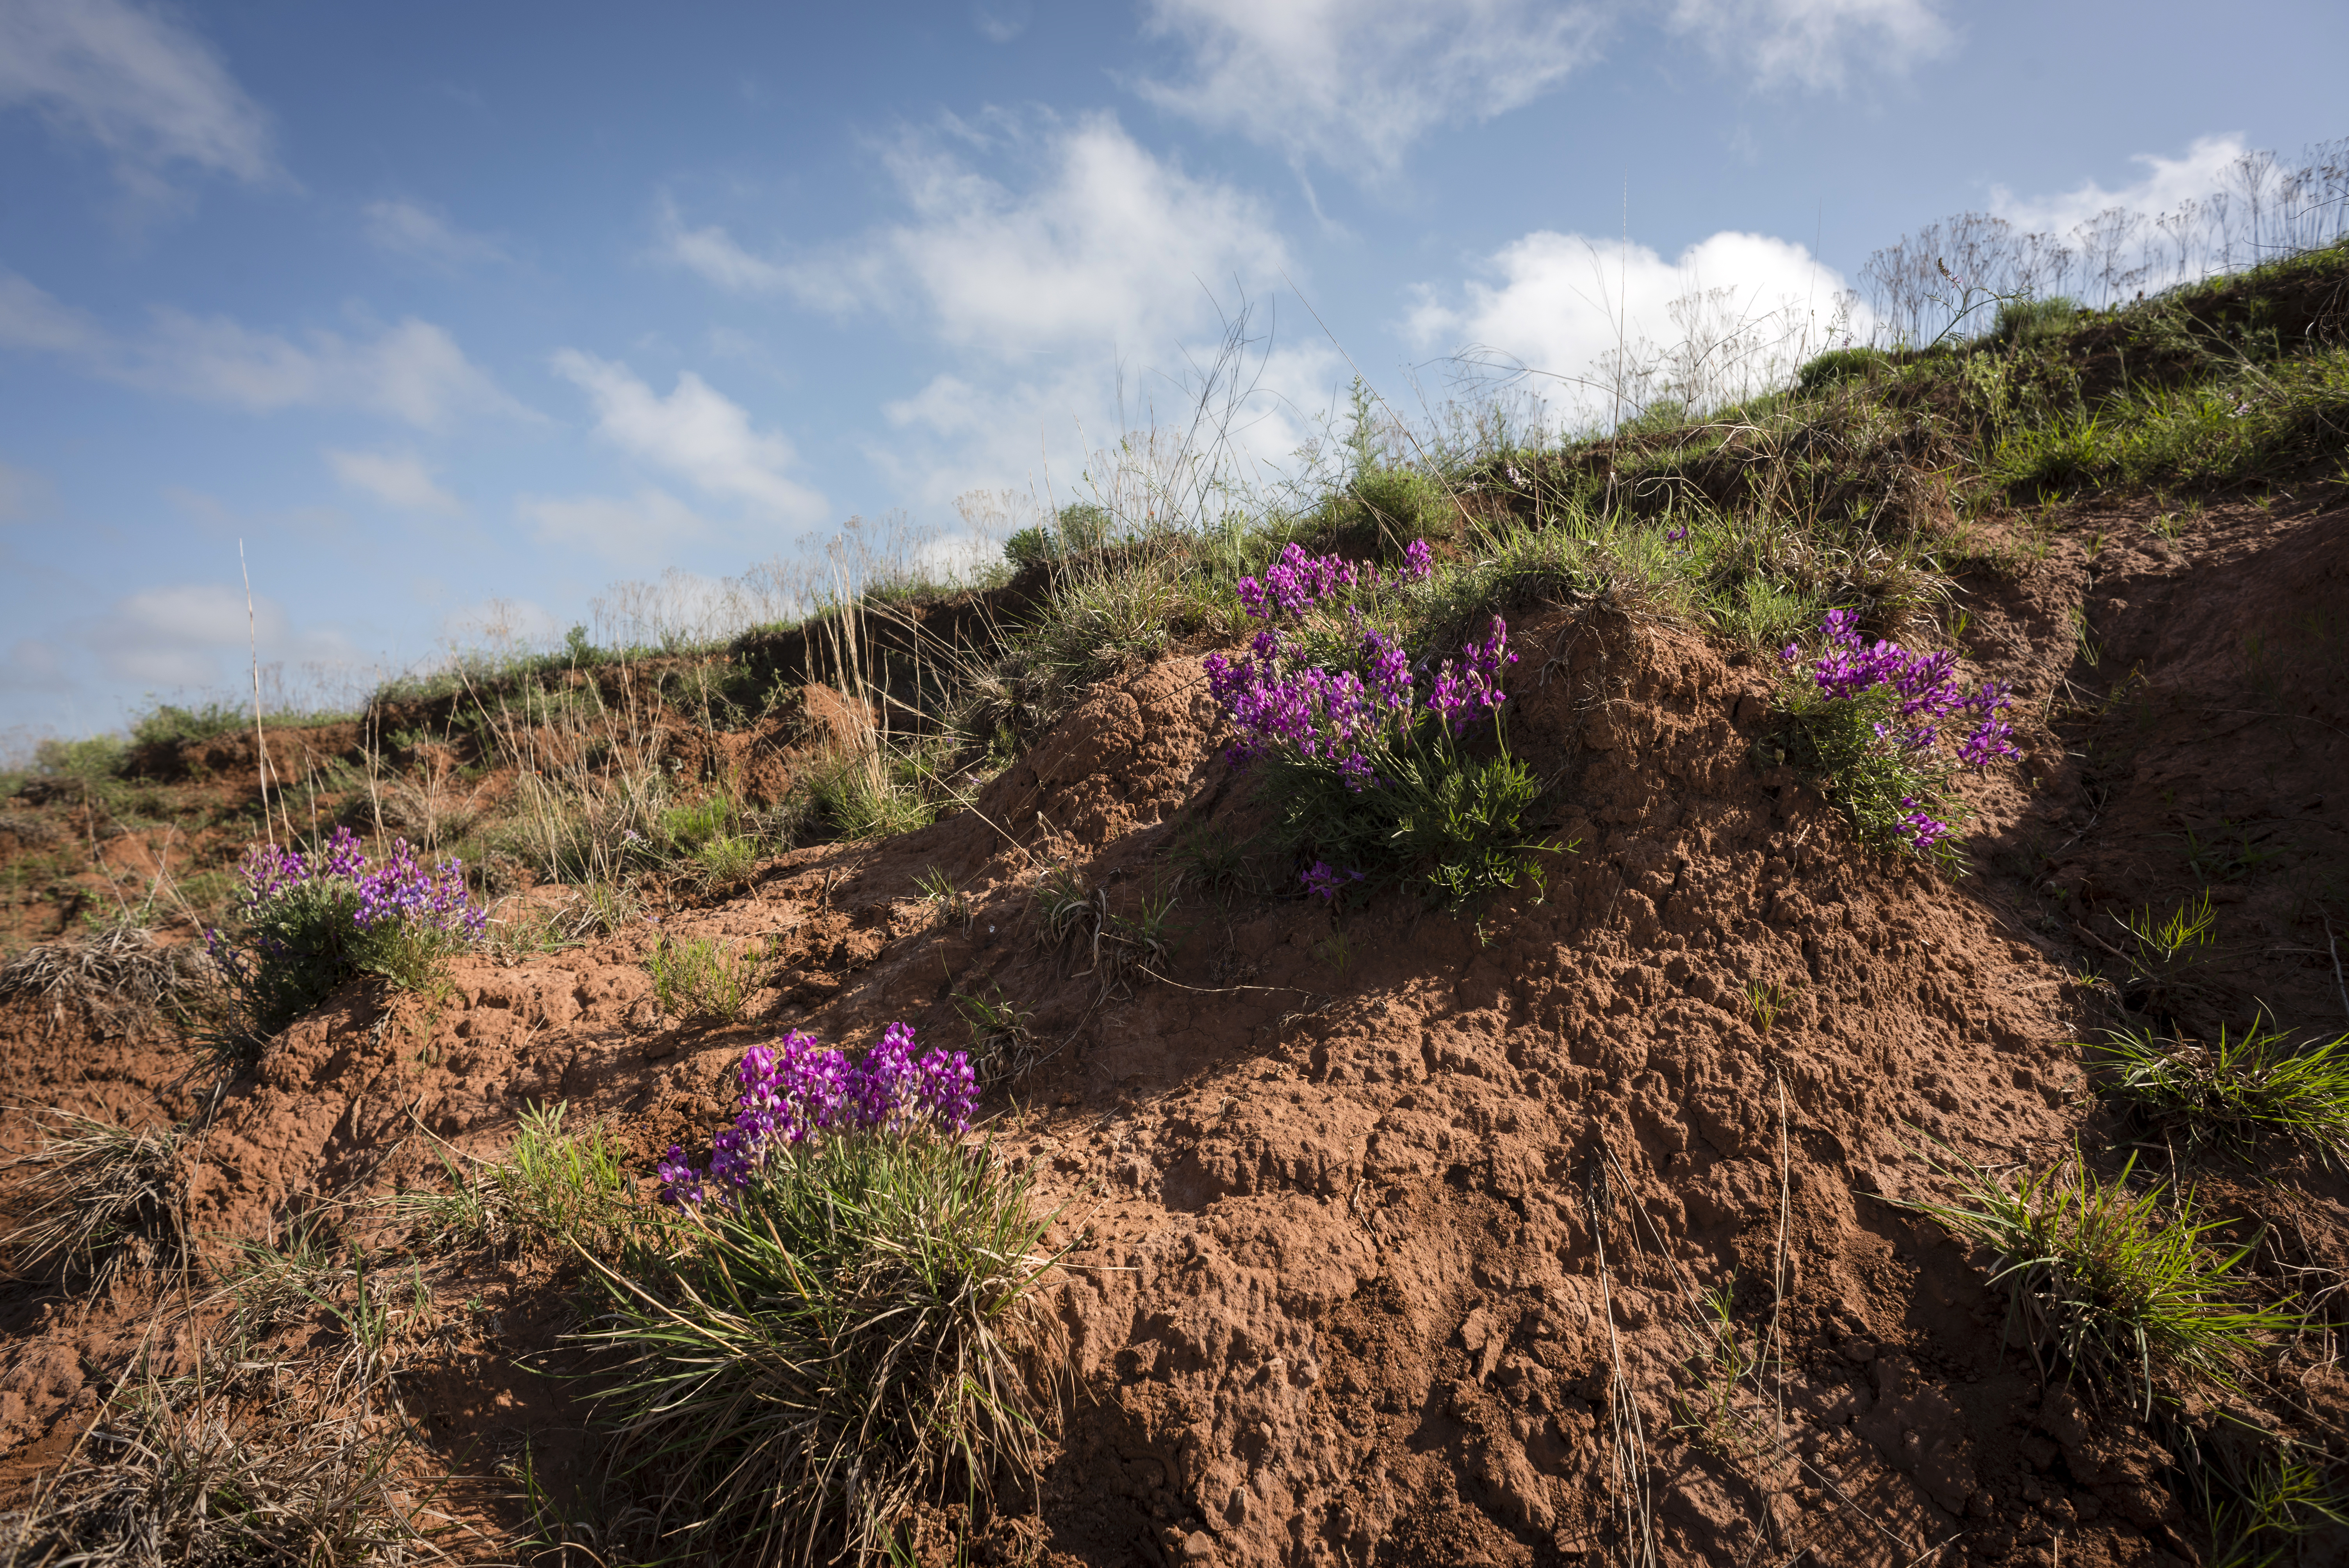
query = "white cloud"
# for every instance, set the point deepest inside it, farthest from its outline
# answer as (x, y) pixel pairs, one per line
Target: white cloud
(1102, 247)
(191, 635)
(1105, 247)
(1731, 315)
(136, 82)
(696, 432)
(413, 371)
(1353, 83)
(2167, 183)
(396, 478)
(641, 530)
(1004, 20)
(31, 666)
(31, 318)
(422, 234)
(1814, 43)
(714, 254)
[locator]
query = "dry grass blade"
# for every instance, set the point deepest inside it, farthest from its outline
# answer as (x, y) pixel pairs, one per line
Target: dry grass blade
(179, 1472)
(120, 969)
(98, 1197)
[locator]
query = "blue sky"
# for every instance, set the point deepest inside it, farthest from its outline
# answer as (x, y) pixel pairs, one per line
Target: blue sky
(458, 315)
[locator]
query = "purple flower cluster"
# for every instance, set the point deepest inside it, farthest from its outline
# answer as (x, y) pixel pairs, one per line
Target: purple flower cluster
(1462, 690)
(269, 871)
(1328, 716)
(400, 889)
(1340, 717)
(797, 1090)
(1297, 582)
(1324, 881)
(1925, 684)
(1926, 698)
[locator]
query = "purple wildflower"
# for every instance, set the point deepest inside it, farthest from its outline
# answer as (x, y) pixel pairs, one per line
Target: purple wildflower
(1296, 582)
(1926, 698)
(1323, 880)
(1475, 681)
(798, 1089)
(401, 889)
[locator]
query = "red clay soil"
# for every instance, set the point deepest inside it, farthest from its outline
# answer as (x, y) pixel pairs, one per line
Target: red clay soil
(1393, 1226)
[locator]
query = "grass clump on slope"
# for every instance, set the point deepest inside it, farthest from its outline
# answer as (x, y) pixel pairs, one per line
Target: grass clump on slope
(829, 1328)
(2117, 1285)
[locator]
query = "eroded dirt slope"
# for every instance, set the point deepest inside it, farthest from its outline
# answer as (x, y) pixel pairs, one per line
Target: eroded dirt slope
(1395, 1227)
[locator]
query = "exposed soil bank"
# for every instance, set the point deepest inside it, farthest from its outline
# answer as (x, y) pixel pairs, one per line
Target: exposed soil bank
(1396, 1229)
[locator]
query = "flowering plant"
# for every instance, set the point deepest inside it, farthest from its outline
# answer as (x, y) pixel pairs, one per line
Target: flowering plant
(1875, 717)
(312, 919)
(1361, 746)
(797, 1091)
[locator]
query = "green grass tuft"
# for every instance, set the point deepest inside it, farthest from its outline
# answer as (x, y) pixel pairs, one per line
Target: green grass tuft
(558, 1190)
(2118, 1287)
(796, 1373)
(2248, 1091)
(697, 980)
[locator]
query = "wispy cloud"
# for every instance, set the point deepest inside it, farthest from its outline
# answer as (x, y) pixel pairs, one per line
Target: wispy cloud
(398, 480)
(643, 530)
(191, 635)
(2167, 183)
(696, 433)
(1079, 238)
(713, 254)
(23, 493)
(1354, 83)
(1001, 21)
(419, 234)
(1814, 45)
(412, 371)
(138, 83)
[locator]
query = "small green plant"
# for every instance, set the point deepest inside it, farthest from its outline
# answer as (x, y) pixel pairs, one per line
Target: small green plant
(1065, 907)
(725, 861)
(1002, 1042)
(1825, 370)
(858, 795)
(1337, 950)
(2246, 1090)
(1766, 999)
(804, 1366)
(2221, 861)
(1142, 940)
(1713, 1371)
(1214, 861)
(2163, 944)
(558, 1190)
(947, 902)
(602, 909)
(2117, 1286)
(697, 980)
(689, 828)
(2259, 1511)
